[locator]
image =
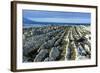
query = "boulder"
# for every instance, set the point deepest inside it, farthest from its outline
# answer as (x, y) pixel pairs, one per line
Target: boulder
(54, 53)
(57, 42)
(46, 59)
(49, 59)
(41, 56)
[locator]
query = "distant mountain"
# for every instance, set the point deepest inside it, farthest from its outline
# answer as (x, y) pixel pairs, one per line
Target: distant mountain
(27, 22)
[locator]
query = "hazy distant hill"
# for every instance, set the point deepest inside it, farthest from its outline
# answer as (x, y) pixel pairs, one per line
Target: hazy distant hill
(27, 22)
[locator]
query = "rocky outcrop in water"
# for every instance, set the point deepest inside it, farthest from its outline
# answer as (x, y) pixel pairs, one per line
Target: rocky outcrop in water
(55, 43)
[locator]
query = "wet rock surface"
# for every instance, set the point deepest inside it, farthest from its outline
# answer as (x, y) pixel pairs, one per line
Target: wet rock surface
(54, 53)
(55, 43)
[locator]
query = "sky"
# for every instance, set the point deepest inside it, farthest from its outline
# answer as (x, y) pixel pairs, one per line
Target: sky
(31, 16)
